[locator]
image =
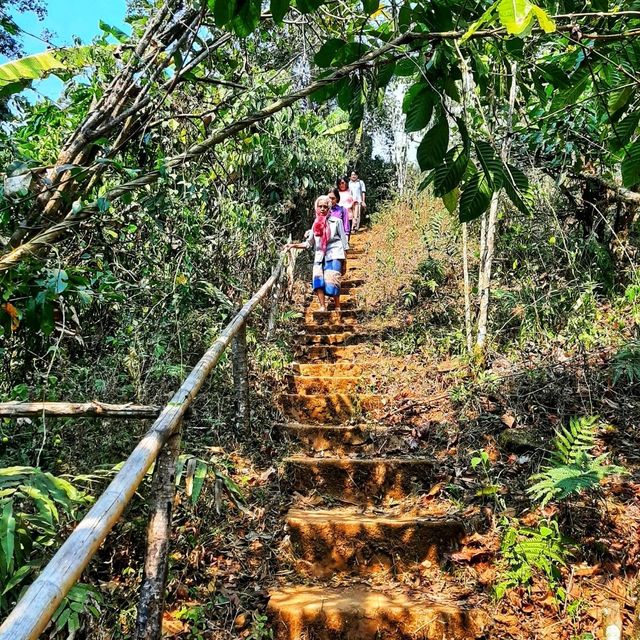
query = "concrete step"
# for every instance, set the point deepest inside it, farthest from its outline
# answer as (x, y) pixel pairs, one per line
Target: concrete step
(361, 613)
(312, 385)
(315, 328)
(328, 541)
(337, 439)
(333, 316)
(334, 369)
(344, 337)
(327, 353)
(360, 480)
(346, 302)
(334, 408)
(351, 282)
(355, 251)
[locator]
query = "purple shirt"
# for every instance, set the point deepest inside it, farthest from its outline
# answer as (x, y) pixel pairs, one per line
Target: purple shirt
(340, 212)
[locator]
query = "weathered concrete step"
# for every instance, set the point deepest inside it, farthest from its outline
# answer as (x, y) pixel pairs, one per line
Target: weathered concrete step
(360, 613)
(351, 283)
(346, 302)
(343, 337)
(333, 316)
(334, 408)
(328, 353)
(327, 541)
(333, 369)
(337, 439)
(360, 480)
(315, 328)
(311, 385)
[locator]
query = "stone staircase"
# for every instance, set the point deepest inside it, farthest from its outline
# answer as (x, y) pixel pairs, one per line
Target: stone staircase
(353, 542)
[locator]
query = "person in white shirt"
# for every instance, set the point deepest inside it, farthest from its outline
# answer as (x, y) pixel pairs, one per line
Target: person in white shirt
(357, 188)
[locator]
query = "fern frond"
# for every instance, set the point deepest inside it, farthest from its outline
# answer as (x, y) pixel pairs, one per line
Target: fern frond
(576, 441)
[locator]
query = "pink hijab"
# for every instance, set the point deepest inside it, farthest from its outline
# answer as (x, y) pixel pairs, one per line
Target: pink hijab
(320, 226)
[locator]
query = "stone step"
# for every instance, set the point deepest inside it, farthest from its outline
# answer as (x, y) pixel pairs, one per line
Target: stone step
(332, 320)
(315, 328)
(351, 283)
(360, 480)
(337, 439)
(346, 302)
(334, 408)
(332, 315)
(311, 385)
(327, 541)
(340, 369)
(327, 353)
(355, 251)
(343, 337)
(361, 613)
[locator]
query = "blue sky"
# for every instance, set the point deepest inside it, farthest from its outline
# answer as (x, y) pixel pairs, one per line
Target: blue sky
(66, 19)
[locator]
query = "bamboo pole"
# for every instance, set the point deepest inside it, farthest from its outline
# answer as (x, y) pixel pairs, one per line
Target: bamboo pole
(154, 579)
(33, 612)
(93, 409)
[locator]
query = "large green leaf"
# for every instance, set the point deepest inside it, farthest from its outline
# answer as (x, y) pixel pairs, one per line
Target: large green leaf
(29, 68)
(434, 145)
(476, 196)
(631, 165)
(308, 6)
(223, 11)
(247, 17)
(516, 184)
(328, 52)
(370, 6)
(623, 131)
(450, 199)
(484, 19)
(447, 176)
(491, 164)
(420, 108)
(279, 9)
(515, 16)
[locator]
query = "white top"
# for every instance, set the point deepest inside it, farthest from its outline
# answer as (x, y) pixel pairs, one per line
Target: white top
(336, 245)
(357, 189)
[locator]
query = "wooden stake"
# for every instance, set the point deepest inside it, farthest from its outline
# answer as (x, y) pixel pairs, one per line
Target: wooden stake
(154, 580)
(241, 378)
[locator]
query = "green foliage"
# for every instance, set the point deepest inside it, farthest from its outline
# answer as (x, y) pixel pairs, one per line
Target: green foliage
(430, 275)
(527, 551)
(33, 507)
(626, 364)
(572, 467)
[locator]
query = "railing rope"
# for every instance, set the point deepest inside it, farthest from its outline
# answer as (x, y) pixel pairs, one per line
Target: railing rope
(33, 612)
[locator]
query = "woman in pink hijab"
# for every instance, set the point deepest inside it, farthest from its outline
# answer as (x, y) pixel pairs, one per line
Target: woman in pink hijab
(330, 242)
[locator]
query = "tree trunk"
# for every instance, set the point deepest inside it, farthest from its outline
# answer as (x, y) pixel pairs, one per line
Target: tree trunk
(488, 241)
(484, 279)
(241, 378)
(467, 286)
(154, 580)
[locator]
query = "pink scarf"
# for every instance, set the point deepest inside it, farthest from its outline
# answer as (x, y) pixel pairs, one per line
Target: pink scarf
(321, 228)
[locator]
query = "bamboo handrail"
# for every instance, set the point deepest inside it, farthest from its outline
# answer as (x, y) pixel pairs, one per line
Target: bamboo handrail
(34, 610)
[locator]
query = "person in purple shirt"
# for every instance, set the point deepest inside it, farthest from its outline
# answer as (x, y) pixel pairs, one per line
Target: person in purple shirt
(339, 212)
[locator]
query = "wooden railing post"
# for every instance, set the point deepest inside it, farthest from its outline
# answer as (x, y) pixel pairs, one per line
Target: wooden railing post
(241, 377)
(154, 579)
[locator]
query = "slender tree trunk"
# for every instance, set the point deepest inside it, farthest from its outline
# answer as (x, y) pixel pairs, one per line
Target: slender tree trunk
(154, 580)
(488, 240)
(484, 276)
(467, 286)
(241, 378)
